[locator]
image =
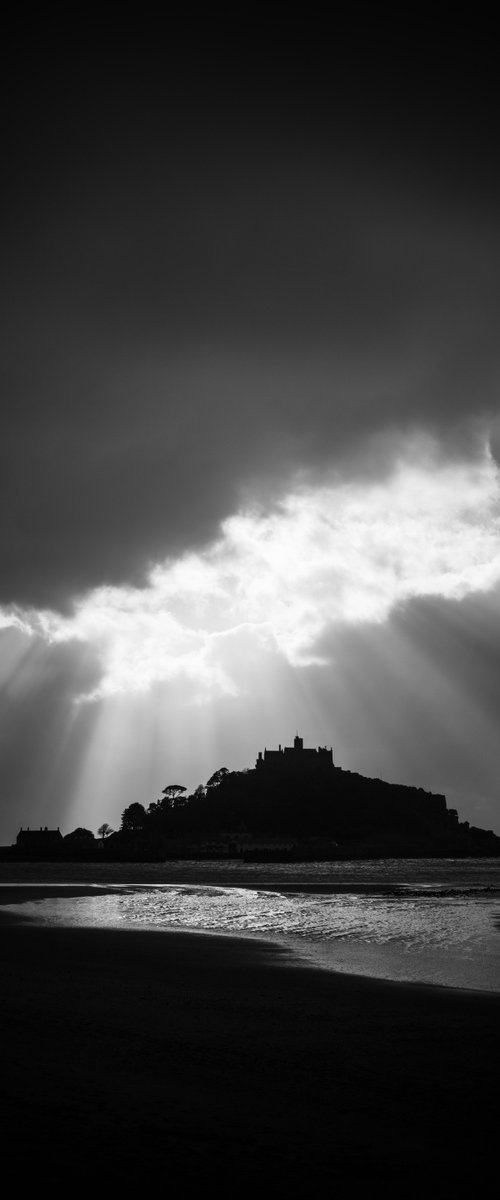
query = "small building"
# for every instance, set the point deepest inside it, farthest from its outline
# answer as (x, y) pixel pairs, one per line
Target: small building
(36, 840)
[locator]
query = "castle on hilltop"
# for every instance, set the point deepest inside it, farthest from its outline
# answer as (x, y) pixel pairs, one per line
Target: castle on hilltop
(288, 759)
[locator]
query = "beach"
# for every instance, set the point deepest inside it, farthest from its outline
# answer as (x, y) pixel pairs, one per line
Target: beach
(218, 1060)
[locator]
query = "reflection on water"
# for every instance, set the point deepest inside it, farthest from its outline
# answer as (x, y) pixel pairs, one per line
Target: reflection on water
(468, 872)
(428, 921)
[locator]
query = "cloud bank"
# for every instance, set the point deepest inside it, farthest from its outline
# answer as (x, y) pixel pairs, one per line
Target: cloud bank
(325, 558)
(183, 340)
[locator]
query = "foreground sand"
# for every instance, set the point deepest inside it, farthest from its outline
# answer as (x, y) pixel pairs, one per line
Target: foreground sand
(214, 1061)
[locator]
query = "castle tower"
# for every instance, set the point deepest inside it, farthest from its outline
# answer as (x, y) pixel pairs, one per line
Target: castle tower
(298, 742)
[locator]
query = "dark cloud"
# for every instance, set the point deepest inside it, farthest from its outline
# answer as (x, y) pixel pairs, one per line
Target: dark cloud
(215, 278)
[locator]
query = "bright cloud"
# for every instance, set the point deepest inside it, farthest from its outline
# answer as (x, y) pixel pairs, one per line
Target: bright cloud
(328, 555)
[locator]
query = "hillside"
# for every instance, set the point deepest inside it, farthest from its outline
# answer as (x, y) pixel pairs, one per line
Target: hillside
(295, 804)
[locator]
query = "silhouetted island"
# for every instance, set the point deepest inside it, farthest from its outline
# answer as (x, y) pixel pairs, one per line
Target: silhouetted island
(294, 805)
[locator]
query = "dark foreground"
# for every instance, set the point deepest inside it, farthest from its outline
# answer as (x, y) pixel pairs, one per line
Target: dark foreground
(128, 1055)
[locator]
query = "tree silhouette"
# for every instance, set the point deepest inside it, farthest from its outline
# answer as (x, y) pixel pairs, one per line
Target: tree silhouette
(217, 777)
(173, 793)
(133, 818)
(104, 830)
(80, 835)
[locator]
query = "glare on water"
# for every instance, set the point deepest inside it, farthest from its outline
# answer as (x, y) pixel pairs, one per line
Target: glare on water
(423, 921)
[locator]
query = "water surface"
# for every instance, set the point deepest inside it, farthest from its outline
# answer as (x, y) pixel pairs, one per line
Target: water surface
(423, 920)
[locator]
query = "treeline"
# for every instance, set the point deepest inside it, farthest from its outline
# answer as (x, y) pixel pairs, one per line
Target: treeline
(260, 814)
(247, 812)
(210, 809)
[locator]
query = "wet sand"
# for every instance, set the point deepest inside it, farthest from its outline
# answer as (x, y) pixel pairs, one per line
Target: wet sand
(215, 1061)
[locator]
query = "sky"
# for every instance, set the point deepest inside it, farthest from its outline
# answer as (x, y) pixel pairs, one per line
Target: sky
(250, 437)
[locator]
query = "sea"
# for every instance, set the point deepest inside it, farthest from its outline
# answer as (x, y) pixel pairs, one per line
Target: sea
(427, 921)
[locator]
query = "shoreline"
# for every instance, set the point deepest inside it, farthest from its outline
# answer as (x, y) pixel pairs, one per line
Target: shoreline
(208, 1058)
(23, 893)
(294, 954)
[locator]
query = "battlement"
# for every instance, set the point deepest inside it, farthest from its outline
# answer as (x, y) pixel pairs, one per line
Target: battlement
(295, 758)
